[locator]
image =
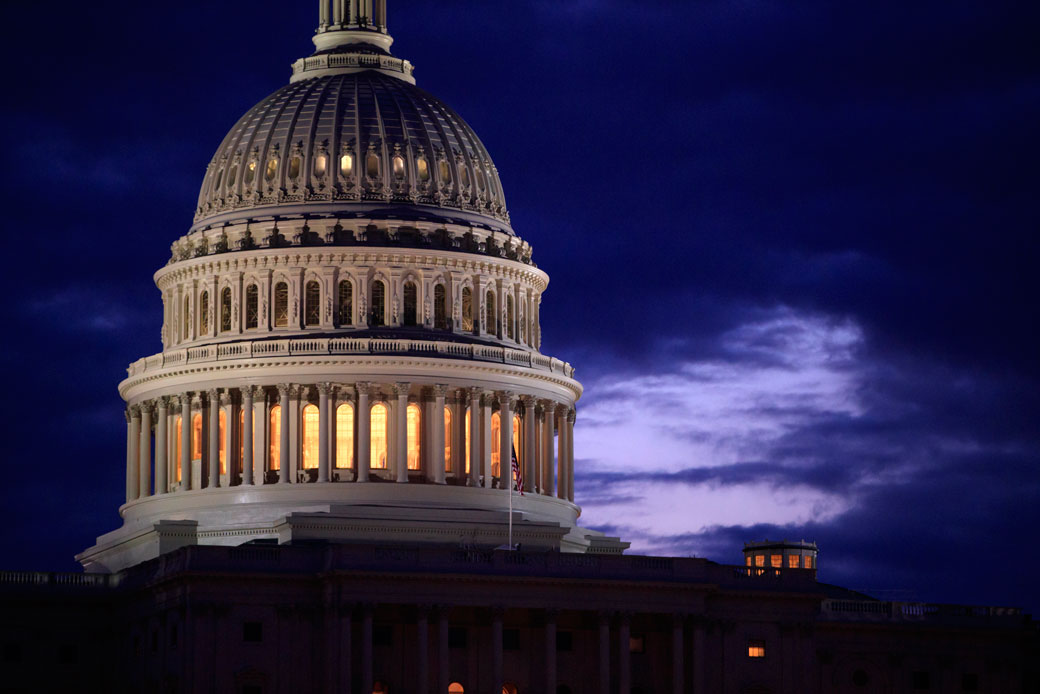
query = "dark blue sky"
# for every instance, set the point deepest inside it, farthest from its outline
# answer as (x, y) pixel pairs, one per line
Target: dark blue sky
(793, 251)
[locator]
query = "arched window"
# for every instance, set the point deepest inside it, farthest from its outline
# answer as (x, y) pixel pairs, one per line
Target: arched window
(252, 307)
(496, 444)
(445, 172)
(225, 309)
(467, 309)
(312, 304)
(346, 165)
(423, 169)
(456, 688)
(272, 168)
(281, 305)
(372, 165)
(186, 320)
(492, 324)
(177, 450)
(411, 299)
(414, 442)
(399, 171)
(378, 315)
(196, 437)
(378, 437)
(232, 175)
(345, 436)
(465, 443)
(465, 175)
(274, 436)
(447, 440)
(321, 164)
(509, 316)
(440, 307)
(310, 437)
(250, 172)
(294, 167)
(221, 430)
(345, 315)
(204, 313)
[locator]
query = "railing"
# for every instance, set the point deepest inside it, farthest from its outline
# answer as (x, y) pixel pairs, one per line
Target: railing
(911, 611)
(338, 345)
(68, 580)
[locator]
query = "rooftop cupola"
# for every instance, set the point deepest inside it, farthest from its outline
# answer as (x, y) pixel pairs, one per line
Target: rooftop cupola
(352, 36)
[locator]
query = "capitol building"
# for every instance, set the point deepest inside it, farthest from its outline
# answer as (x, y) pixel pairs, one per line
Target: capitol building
(350, 468)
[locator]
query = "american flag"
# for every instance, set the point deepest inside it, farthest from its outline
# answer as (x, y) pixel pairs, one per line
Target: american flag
(519, 476)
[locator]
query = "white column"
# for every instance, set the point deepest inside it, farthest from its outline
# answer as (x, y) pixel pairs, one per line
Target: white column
(561, 462)
(323, 431)
(571, 416)
(486, 443)
(401, 431)
(549, 463)
(133, 463)
(247, 435)
(530, 445)
(436, 456)
(474, 437)
(283, 434)
(145, 474)
(364, 433)
(230, 422)
(331, 423)
(297, 394)
(185, 461)
(213, 436)
(161, 445)
(505, 443)
(129, 454)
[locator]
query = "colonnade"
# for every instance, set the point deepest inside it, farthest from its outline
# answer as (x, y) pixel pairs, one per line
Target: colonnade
(204, 440)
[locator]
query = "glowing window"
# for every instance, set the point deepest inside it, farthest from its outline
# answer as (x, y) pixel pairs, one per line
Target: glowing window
(252, 307)
(447, 439)
(225, 309)
(310, 437)
(776, 560)
(272, 169)
(808, 563)
(509, 316)
(346, 303)
(372, 165)
(467, 441)
(440, 307)
(509, 688)
(414, 443)
(345, 436)
(378, 316)
(312, 304)
(445, 171)
(411, 299)
(196, 437)
(491, 326)
(346, 164)
(465, 177)
(756, 649)
(792, 561)
(467, 309)
(274, 436)
(747, 560)
(456, 688)
(250, 172)
(321, 164)
(177, 449)
(516, 439)
(294, 167)
(760, 560)
(398, 164)
(204, 313)
(281, 305)
(423, 168)
(221, 430)
(496, 444)
(378, 437)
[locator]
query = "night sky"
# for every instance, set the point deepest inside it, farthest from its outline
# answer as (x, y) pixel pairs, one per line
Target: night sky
(792, 245)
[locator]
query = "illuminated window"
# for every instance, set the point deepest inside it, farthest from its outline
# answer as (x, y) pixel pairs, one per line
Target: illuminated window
(516, 440)
(281, 305)
(204, 313)
(252, 307)
(372, 165)
(225, 309)
(445, 171)
(196, 437)
(776, 560)
(410, 301)
(792, 561)
(274, 436)
(760, 560)
(491, 326)
(378, 437)
(423, 168)
(496, 444)
(294, 168)
(312, 304)
(747, 560)
(456, 688)
(414, 444)
(346, 165)
(467, 441)
(440, 307)
(467, 309)
(177, 453)
(509, 688)
(447, 439)
(221, 430)
(509, 317)
(345, 436)
(378, 317)
(321, 164)
(310, 437)
(272, 168)
(346, 303)
(186, 319)
(398, 166)
(250, 172)
(808, 563)
(756, 649)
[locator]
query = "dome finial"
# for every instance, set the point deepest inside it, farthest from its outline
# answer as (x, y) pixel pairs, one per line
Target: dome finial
(351, 21)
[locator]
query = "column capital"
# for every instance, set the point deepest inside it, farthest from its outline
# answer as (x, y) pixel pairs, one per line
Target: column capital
(146, 407)
(549, 407)
(363, 387)
(196, 400)
(402, 388)
(225, 397)
(475, 393)
(213, 395)
(283, 389)
(259, 392)
(440, 390)
(126, 413)
(324, 388)
(529, 402)
(163, 402)
(572, 416)
(135, 411)
(246, 392)
(296, 391)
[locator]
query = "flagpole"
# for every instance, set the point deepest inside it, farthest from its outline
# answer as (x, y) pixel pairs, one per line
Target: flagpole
(510, 506)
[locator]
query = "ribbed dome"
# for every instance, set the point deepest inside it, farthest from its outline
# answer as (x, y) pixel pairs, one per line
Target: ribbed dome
(357, 143)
